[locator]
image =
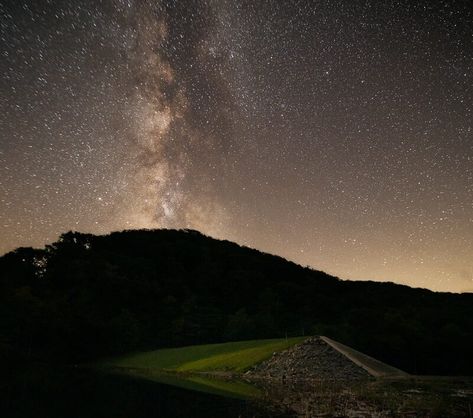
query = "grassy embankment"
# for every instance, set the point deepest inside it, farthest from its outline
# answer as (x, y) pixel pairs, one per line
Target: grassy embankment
(186, 366)
(227, 357)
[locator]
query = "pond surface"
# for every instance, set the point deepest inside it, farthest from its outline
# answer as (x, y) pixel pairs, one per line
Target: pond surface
(71, 393)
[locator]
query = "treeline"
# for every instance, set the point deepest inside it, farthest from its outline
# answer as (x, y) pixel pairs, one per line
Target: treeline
(86, 297)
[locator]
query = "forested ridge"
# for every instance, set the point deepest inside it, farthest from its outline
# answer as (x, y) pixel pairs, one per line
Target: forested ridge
(86, 297)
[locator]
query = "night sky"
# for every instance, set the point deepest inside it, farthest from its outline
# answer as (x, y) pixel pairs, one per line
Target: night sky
(338, 134)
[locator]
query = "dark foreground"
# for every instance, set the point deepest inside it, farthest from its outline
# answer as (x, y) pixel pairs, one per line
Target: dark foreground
(81, 393)
(77, 392)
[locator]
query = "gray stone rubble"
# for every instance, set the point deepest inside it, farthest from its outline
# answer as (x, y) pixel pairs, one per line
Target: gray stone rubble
(309, 360)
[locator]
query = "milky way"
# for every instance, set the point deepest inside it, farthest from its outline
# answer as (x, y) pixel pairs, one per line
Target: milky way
(336, 134)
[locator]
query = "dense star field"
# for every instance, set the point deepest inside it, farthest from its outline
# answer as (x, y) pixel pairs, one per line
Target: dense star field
(337, 134)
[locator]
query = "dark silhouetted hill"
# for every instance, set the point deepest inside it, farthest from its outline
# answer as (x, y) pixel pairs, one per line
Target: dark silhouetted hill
(86, 296)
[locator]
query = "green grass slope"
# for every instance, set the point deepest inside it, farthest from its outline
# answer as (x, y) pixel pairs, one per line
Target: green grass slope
(232, 357)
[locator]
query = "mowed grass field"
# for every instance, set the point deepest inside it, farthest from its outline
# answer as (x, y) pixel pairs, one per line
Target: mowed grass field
(230, 357)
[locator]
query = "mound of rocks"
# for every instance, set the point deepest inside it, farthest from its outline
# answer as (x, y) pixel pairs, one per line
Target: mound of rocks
(309, 360)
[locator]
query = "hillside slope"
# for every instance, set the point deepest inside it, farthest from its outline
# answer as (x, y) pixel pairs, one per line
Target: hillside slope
(85, 297)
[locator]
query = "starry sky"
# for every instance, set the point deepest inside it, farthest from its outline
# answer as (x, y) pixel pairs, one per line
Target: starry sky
(337, 134)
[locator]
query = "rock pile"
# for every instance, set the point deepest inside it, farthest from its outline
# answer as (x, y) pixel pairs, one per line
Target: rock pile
(309, 360)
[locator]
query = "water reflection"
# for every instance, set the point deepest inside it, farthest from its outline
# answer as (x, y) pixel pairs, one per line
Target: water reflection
(411, 397)
(86, 393)
(89, 393)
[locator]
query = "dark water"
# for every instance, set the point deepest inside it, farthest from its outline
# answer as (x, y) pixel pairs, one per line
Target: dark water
(44, 392)
(85, 393)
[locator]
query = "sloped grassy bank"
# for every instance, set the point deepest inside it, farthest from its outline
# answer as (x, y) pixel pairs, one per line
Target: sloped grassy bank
(206, 368)
(227, 357)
